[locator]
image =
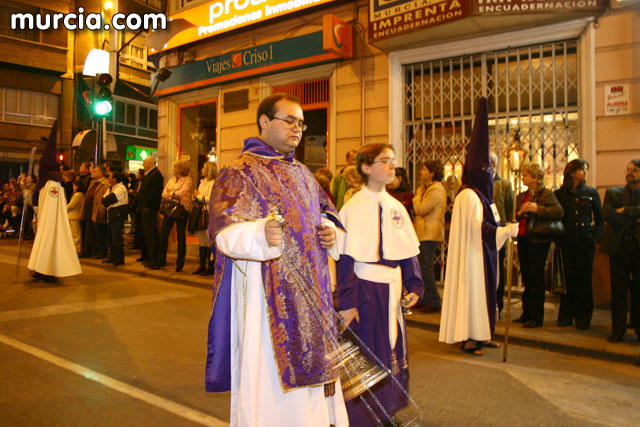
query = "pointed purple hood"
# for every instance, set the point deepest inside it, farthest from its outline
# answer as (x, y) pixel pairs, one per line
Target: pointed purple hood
(49, 167)
(478, 172)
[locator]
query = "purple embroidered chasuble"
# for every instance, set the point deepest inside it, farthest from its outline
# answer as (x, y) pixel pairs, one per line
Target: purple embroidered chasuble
(296, 285)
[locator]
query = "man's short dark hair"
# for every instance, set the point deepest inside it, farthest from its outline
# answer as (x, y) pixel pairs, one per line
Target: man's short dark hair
(119, 177)
(636, 162)
(267, 106)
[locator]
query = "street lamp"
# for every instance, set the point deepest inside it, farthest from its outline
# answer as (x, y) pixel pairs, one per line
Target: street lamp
(515, 157)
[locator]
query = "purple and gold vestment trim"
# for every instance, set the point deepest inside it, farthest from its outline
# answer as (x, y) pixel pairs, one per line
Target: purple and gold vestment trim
(248, 190)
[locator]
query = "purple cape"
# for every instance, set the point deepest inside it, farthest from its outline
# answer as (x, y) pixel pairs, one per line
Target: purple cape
(247, 190)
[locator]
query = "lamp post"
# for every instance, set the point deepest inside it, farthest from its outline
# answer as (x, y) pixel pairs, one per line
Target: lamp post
(515, 157)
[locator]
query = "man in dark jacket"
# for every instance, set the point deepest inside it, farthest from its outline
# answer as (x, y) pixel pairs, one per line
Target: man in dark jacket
(621, 240)
(148, 202)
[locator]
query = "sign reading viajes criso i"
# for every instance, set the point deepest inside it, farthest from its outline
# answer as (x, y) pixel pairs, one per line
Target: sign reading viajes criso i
(286, 54)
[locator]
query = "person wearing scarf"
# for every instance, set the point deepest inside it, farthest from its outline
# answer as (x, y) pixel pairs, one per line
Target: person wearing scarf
(471, 277)
(272, 332)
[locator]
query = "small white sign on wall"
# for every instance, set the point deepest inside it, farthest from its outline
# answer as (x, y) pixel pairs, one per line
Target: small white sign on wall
(616, 100)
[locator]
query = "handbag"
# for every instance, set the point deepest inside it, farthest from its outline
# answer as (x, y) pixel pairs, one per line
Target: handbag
(540, 227)
(198, 217)
(554, 271)
(172, 208)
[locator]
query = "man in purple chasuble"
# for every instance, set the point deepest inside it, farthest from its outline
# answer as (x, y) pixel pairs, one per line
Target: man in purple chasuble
(272, 330)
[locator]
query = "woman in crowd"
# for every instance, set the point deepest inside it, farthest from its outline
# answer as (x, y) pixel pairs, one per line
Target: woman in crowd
(532, 253)
(74, 209)
(430, 204)
(203, 193)
(354, 182)
(400, 188)
(179, 188)
(378, 258)
(583, 225)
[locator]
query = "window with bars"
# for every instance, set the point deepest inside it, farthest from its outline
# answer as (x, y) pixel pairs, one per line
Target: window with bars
(29, 108)
(311, 93)
(532, 91)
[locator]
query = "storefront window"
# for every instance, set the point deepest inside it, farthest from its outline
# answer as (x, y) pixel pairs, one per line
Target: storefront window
(197, 132)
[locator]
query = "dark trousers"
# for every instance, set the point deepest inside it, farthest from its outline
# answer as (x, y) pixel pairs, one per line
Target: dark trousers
(101, 242)
(148, 226)
(167, 225)
(116, 247)
(502, 253)
(431, 297)
(532, 256)
(577, 259)
(90, 241)
(625, 278)
(83, 235)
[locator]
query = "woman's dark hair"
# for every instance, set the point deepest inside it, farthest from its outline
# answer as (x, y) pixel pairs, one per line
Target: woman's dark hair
(570, 168)
(405, 185)
(367, 154)
(436, 167)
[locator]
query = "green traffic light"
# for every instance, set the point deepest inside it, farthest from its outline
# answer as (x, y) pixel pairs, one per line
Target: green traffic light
(103, 108)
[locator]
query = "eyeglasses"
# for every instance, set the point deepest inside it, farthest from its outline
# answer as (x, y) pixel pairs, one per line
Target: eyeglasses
(387, 162)
(293, 123)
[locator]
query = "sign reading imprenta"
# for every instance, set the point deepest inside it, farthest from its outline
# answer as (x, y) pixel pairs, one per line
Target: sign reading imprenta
(392, 18)
(221, 16)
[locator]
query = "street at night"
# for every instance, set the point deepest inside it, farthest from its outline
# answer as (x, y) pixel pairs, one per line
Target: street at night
(109, 347)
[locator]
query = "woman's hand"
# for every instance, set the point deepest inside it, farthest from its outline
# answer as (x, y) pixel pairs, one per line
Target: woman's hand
(348, 316)
(529, 207)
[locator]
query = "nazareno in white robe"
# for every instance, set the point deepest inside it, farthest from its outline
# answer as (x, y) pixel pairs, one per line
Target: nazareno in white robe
(464, 308)
(53, 252)
(256, 395)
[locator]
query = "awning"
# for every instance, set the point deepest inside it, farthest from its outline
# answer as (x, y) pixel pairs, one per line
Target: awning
(77, 140)
(157, 39)
(109, 146)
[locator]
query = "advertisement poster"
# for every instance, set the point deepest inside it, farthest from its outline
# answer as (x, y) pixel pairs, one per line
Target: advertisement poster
(616, 100)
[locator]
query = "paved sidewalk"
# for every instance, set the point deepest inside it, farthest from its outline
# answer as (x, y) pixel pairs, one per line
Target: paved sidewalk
(591, 343)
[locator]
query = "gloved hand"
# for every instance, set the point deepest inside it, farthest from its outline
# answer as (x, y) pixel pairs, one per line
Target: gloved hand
(513, 229)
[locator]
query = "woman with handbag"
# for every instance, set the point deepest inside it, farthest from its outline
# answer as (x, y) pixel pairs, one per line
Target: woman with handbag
(175, 207)
(209, 173)
(583, 224)
(534, 207)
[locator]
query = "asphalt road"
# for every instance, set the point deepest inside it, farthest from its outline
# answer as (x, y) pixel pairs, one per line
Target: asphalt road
(109, 348)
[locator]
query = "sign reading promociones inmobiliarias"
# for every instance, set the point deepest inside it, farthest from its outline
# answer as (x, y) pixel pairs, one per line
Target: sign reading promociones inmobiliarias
(220, 16)
(390, 18)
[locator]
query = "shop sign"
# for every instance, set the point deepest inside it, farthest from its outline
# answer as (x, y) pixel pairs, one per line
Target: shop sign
(616, 100)
(218, 17)
(135, 152)
(337, 36)
(392, 18)
(264, 59)
(514, 7)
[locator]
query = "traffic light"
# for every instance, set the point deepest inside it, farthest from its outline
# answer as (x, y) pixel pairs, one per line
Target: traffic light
(102, 98)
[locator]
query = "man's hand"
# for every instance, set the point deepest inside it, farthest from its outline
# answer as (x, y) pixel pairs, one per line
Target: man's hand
(348, 316)
(273, 233)
(620, 210)
(409, 300)
(327, 236)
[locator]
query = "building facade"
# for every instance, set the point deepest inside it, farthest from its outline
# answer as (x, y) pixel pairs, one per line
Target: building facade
(560, 77)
